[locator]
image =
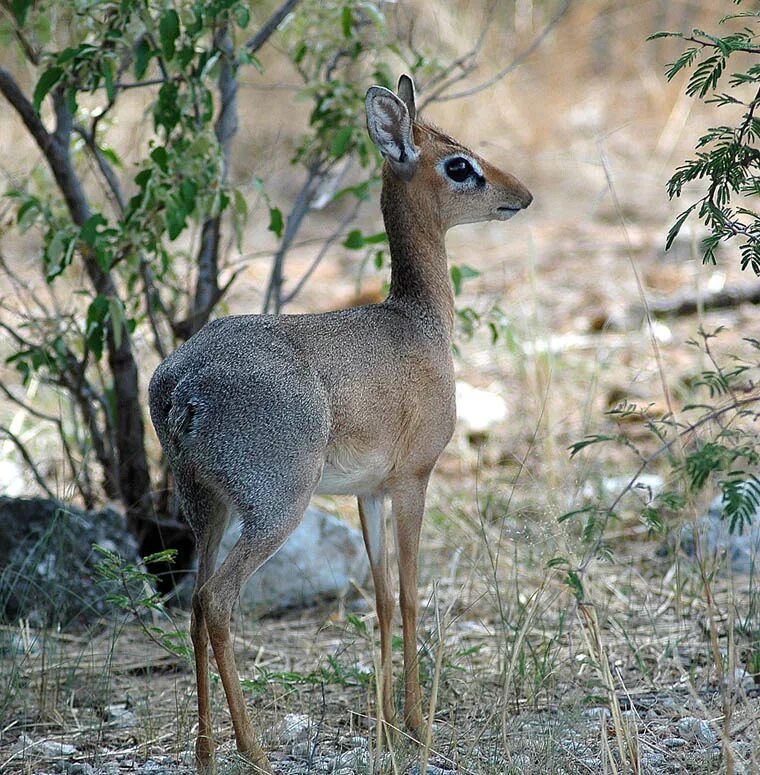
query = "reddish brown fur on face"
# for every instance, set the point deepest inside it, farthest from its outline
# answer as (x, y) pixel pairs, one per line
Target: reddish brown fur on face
(450, 206)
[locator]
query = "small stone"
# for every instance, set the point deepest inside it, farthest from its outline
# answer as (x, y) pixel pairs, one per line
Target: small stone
(120, 716)
(77, 768)
(355, 758)
(354, 741)
(600, 713)
(744, 679)
(295, 726)
(51, 749)
(301, 748)
(653, 759)
(692, 728)
(673, 742)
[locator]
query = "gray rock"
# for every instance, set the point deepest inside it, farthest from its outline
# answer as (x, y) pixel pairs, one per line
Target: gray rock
(48, 565)
(691, 728)
(322, 559)
(120, 716)
(293, 727)
(742, 550)
(48, 748)
(674, 742)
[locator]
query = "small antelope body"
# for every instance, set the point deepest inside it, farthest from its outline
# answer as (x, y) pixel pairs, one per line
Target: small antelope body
(256, 413)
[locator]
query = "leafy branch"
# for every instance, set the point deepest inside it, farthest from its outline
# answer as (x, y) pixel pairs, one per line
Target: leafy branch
(727, 156)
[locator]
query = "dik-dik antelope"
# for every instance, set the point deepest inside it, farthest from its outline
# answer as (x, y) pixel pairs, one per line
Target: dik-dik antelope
(256, 413)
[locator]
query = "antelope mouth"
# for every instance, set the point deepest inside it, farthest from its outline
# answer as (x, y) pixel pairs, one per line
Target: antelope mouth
(505, 212)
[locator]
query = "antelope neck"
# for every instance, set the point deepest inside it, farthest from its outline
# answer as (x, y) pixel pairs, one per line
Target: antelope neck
(419, 268)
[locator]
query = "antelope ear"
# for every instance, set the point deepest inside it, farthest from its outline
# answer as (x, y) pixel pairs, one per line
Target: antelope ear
(405, 91)
(390, 127)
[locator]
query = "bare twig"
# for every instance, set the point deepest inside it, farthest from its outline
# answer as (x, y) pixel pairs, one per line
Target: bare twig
(84, 490)
(270, 26)
(106, 169)
(326, 245)
(16, 441)
(438, 96)
(302, 205)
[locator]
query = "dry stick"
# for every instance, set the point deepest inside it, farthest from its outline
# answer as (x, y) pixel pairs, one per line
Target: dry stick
(514, 64)
(516, 647)
(84, 489)
(326, 245)
(593, 637)
(28, 460)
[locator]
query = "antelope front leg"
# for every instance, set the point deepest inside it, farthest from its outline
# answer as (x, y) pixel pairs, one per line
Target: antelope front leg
(372, 513)
(408, 508)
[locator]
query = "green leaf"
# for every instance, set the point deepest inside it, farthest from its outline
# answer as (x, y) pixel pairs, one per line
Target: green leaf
(676, 227)
(347, 21)
(118, 319)
(354, 240)
(341, 141)
(47, 81)
(168, 30)
(460, 273)
(89, 231)
(242, 16)
(276, 223)
(143, 54)
(591, 439)
(176, 218)
(160, 157)
(657, 35)
(20, 8)
(97, 313)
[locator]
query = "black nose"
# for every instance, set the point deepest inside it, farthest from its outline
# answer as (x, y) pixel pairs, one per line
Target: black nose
(527, 199)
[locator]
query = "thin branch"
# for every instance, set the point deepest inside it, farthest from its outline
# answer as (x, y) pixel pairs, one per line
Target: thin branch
(84, 491)
(270, 26)
(326, 245)
(711, 44)
(301, 206)
(207, 293)
(151, 293)
(28, 460)
(466, 62)
(438, 96)
(106, 170)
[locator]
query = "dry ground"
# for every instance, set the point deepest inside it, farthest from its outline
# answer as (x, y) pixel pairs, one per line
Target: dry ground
(523, 676)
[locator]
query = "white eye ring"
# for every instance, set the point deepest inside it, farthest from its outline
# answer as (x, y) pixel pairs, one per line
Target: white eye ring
(473, 178)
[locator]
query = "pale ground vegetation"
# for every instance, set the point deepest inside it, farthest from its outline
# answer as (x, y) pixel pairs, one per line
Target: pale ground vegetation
(521, 678)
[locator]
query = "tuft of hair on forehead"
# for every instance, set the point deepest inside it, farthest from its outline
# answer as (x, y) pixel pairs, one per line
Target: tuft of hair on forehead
(432, 132)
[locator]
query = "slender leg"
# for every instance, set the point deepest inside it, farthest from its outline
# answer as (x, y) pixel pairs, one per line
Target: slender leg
(408, 508)
(372, 513)
(259, 541)
(204, 744)
(211, 517)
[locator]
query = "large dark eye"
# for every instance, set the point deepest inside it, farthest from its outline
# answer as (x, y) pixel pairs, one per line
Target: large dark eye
(459, 169)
